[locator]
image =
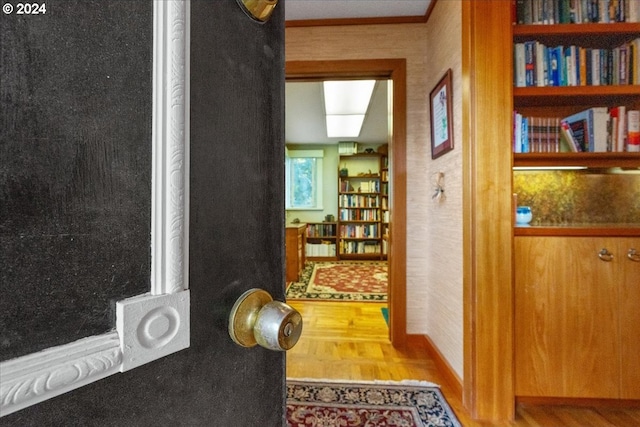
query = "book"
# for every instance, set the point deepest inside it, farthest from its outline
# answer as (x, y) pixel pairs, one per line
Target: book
(529, 63)
(633, 131)
(566, 135)
(581, 124)
(600, 129)
(519, 62)
(622, 128)
(555, 64)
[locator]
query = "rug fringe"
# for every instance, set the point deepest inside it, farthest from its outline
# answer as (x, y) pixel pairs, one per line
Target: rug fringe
(417, 383)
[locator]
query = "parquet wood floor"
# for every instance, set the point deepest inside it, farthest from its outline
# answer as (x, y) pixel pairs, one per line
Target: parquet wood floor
(349, 341)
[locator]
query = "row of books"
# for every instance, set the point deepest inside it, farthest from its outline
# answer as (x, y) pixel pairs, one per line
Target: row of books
(596, 129)
(347, 147)
(359, 214)
(576, 11)
(538, 65)
(364, 247)
(321, 230)
(327, 249)
(358, 201)
(372, 186)
(359, 231)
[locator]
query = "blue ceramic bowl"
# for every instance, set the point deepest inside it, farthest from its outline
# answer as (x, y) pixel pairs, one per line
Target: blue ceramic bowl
(523, 215)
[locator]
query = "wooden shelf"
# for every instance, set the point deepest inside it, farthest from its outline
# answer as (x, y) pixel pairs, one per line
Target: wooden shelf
(609, 230)
(592, 160)
(576, 30)
(592, 34)
(575, 95)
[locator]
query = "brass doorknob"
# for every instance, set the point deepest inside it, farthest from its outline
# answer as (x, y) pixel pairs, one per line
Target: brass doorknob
(260, 10)
(257, 319)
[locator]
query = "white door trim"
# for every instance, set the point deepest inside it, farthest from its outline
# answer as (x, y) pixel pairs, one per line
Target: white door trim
(155, 324)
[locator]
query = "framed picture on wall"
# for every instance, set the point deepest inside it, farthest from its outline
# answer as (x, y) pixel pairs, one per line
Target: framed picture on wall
(441, 99)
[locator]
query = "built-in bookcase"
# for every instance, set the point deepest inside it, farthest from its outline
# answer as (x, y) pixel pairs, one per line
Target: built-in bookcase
(560, 82)
(547, 105)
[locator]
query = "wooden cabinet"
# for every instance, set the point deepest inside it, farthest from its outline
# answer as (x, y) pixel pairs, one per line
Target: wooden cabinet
(295, 255)
(577, 321)
(629, 264)
(321, 240)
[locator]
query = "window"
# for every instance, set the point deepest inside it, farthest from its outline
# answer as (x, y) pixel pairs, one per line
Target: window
(303, 179)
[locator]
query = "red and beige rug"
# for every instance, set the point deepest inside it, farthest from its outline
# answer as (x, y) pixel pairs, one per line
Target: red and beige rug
(343, 280)
(321, 403)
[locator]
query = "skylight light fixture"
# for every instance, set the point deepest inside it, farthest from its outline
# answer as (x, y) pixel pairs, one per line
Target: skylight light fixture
(346, 103)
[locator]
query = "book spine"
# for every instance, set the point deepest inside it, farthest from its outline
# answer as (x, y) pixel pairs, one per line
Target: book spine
(519, 65)
(622, 126)
(633, 131)
(529, 55)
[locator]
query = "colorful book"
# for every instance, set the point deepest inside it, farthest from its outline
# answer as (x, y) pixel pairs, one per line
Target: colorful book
(566, 136)
(633, 131)
(581, 124)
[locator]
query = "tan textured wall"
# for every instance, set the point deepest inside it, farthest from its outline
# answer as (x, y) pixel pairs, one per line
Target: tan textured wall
(434, 231)
(439, 286)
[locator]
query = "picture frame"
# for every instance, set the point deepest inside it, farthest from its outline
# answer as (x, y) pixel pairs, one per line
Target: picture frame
(441, 114)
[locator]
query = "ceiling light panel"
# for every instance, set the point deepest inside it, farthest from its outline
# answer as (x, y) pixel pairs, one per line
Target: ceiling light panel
(347, 97)
(344, 125)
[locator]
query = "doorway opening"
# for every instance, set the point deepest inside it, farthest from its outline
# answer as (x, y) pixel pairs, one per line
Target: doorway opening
(393, 71)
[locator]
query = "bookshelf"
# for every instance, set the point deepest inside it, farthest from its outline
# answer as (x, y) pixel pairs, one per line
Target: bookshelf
(569, 250)
(534, 101)
(384, 203)
(359, 207)
(321, 242)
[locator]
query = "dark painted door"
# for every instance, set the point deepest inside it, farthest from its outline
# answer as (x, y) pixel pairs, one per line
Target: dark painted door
(236, 216)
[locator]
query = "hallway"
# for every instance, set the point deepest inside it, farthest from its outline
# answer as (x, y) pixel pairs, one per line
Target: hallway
(349, 341)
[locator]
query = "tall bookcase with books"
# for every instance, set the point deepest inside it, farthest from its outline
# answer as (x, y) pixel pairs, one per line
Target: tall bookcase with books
(359, 207)
(384, 203)
(571, 71)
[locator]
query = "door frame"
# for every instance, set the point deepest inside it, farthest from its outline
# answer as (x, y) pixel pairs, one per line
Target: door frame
(393, 69)
(137, 339)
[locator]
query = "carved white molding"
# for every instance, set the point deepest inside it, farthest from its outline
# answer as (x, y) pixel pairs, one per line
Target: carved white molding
(169, 220)
(152, 325)
(40, 376)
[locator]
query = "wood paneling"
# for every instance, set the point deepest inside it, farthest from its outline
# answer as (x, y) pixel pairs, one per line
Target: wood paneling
(567, 332)
(488, 295)
(629, 319)
(577, 320)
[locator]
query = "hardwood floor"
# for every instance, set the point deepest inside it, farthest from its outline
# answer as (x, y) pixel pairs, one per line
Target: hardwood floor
(345, 340)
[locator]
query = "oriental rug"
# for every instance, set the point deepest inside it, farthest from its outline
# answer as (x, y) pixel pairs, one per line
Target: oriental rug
(341, 281)
(329, 403)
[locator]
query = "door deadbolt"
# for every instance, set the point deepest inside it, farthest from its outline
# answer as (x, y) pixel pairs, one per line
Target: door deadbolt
(257, 319)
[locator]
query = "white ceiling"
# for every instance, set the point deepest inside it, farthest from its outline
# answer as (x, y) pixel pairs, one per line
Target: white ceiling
(304, 102)
(305, 122)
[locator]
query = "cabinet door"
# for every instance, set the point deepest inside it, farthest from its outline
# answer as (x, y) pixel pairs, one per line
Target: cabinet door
(566, 318)
(629, 319)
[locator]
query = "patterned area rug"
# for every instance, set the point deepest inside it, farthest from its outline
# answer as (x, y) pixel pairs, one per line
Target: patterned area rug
(344, 280)
(353, 404)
